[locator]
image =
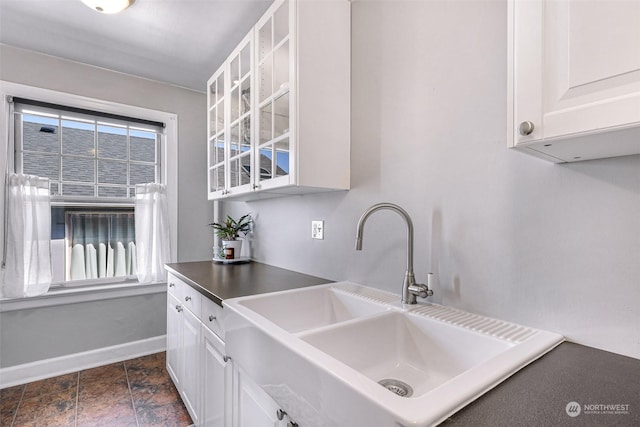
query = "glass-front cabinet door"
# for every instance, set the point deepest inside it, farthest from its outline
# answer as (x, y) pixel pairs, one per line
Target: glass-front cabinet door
(240, 117)
(216, 146)
(272, 159)
(280, 124)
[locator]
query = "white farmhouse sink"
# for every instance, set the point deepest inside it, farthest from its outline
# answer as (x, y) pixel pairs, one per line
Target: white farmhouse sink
(309, 308)
(323, 352)
(420, 352)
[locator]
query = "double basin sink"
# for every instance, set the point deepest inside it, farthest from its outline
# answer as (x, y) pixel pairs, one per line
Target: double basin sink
(345, 354)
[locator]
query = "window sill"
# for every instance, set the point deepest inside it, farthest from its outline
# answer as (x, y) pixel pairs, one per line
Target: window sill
(70, 295)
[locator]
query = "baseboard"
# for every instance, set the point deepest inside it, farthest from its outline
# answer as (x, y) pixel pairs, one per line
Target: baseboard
(48, 368)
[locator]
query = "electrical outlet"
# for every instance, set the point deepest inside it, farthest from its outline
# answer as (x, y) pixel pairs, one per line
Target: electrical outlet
(317, 230)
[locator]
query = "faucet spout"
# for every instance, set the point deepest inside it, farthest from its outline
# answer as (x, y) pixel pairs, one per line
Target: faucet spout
(409, 286)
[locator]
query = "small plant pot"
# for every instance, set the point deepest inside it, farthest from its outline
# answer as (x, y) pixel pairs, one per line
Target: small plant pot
(231, 249)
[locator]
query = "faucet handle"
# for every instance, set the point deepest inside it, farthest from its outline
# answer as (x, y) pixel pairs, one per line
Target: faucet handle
(422, 290)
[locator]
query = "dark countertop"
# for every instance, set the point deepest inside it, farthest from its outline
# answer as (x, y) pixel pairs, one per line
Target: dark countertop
(537, 395)
(223, 281)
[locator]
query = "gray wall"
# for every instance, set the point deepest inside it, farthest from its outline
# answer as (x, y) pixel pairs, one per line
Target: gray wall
(194, 212)
(42, 333)
(46, 332)
(507, 235)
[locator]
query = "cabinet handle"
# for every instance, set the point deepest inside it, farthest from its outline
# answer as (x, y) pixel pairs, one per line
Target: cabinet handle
(179, 308)
(212, 318)
(187, 298)
(172, 285)
(526, 128)
(256, 186)
(280, 414)
(226, 358)
(292, 424)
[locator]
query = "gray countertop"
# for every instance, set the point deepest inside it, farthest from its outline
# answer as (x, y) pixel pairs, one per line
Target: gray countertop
(223, 281)
(537, 395)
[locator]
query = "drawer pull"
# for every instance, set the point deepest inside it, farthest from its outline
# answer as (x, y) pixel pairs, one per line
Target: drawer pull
(212, 318)
(179, 308)
(281, 414)
(226, 358)
(526, 128)
(187, 298)
(172, 285)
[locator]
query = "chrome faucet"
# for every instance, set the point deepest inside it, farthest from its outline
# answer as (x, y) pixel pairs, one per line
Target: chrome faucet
(410, 289)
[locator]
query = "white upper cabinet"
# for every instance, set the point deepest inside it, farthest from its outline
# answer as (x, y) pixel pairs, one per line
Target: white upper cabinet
(229, 101)
(574, 75)
(279, 107)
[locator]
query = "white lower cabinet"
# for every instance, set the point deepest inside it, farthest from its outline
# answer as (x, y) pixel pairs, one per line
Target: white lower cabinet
(214, 390)
(174, 326)
(216, 387)
(189, 356)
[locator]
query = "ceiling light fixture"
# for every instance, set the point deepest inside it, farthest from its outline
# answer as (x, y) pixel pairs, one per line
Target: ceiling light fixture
(108, 6)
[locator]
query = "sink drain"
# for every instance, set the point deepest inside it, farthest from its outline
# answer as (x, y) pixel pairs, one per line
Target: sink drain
(396, 386)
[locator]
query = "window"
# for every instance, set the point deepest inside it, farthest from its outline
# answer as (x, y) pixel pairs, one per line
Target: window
(93, 161)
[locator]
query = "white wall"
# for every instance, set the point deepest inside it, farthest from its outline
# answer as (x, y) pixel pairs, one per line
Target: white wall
(507, 235)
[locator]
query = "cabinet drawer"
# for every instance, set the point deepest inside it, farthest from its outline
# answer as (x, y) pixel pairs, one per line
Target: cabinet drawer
(173, 285)
(191, 298)
(211, 317)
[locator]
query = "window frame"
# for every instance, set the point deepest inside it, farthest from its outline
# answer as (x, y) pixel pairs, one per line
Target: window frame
(96, 121)
(168, 155)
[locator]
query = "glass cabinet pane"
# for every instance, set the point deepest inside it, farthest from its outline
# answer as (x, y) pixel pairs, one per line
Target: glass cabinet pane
(281, 68)
(212, 121)
(266, 123)
(245, 134)
(281, 151)
(265, 162)
(234, 138)
(214, 92)
(245, 60)
(220, 117)
(265, 44)
(245, 95)
(216, 178)
(240, 171)
(220, 87)
(265, 78)
(216, 152)
(281, 23)
(281, 115)
(234, 104)
(235, 71)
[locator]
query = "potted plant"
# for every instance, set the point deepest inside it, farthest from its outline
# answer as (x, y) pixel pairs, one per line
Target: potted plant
(229, 232)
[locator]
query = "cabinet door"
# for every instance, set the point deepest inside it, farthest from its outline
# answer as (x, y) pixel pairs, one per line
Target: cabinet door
(274, 74)
(255, 408)
(576, 66)
(174, 338)
(189, 358)
(240, 116)
(216, 396)
(216, 145)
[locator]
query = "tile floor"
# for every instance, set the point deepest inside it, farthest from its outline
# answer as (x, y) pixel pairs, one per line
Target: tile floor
(134, 393)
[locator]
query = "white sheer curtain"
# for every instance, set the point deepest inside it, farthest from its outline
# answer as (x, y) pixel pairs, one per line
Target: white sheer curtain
(152, 232)
(28, 258)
